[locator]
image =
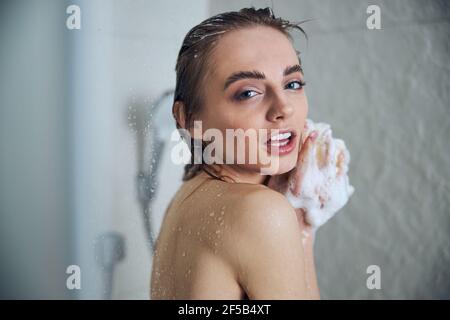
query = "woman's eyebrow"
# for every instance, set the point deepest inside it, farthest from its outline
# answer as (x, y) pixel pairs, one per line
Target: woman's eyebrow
(243, 75)
(258, 75)
(293, 69)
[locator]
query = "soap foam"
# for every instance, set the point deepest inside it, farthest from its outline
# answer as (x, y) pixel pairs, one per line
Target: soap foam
(325, 185)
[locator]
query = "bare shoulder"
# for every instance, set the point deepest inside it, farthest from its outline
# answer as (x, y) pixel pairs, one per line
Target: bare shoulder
(255, 211)
(264, 242)
(266, 246)
(258, 206)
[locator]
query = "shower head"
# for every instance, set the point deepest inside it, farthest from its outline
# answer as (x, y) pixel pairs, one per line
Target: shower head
(155, 127)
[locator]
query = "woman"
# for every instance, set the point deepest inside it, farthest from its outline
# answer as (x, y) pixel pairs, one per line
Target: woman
(229, 232)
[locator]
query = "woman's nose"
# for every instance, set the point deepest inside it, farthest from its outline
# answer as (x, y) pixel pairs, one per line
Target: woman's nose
(280, 107)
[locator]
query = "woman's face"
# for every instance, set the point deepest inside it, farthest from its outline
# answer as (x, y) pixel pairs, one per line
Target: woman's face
(265, 93)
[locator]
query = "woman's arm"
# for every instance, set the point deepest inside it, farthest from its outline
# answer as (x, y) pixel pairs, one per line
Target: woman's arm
(308, 237)
(310, 268)
(294, 179)
(270, 260)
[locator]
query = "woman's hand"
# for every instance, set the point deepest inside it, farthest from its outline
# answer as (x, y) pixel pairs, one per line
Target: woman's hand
(294, 178)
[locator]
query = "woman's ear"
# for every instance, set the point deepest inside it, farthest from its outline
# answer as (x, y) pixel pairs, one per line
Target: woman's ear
(178, 113)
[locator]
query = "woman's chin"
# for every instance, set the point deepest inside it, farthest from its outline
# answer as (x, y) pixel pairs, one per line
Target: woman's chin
(279, 166)
(286, 166)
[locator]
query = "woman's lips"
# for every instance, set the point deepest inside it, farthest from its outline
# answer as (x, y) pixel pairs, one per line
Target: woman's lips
(282, 143)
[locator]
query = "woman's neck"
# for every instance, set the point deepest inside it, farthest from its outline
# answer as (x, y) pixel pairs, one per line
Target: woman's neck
(238, 175)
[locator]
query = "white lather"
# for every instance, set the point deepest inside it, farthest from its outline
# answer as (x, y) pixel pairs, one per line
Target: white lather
(325, 185)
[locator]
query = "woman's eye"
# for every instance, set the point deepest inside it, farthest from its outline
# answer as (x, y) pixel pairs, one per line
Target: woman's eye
(295, 85)
(246, 95)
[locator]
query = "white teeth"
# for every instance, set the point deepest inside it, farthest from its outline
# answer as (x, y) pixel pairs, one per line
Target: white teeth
(279, 144)
(281, 136)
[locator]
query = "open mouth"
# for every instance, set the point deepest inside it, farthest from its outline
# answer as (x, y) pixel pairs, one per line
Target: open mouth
(282, 142)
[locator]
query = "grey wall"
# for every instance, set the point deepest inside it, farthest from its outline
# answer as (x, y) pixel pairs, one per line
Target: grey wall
(386, 93)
